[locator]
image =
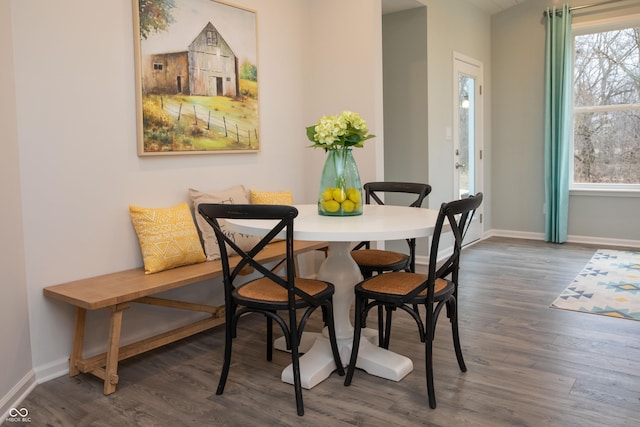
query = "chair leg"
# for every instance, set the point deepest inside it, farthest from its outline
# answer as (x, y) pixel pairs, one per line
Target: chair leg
(327, 314)
(228, 340)
(416, 308)
(367, 273)
(430, 324)
(429, 368)
(452, 309)
(387, 329)
(297, 383)
(381, 338)
(295, 362)
(269, 338)
(421, 330)
(357, 330)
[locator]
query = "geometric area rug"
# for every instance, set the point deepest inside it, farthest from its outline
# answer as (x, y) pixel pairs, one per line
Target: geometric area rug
(608, 285)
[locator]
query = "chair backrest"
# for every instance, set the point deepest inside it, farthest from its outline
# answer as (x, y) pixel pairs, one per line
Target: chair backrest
(373, 191)
(456, 217)
(283, 217)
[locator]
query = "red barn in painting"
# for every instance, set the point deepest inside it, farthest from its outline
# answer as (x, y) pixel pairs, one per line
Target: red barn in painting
(208, 67)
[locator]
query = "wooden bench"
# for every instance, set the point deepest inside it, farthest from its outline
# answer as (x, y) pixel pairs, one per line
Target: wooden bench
(116, 292)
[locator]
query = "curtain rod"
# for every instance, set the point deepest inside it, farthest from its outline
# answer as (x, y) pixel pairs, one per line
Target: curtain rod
(572, 8)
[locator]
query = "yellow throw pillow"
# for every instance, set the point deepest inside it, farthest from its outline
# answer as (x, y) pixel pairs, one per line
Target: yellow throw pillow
(235, 195)
(271, 197)
(168, 237)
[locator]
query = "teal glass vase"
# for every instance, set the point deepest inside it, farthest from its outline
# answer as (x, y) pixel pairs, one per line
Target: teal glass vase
(340, 187)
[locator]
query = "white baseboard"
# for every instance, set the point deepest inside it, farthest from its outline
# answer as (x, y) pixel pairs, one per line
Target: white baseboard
(601, 241)
(514, 234)
(51, 370)
(589, 240)
(17, 394)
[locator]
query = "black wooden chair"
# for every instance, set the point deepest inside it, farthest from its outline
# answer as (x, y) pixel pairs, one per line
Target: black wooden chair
(269, 294)
(380, 261)
(437, 289)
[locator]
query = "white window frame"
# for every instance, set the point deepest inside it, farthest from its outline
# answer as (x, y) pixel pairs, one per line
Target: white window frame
(604, 189)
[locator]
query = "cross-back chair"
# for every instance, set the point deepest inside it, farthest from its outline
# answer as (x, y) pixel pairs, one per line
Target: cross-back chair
(435, 290)
(379, 261)
(270, 293)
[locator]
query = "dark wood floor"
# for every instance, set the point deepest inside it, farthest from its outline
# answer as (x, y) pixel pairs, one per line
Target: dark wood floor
(528, 365)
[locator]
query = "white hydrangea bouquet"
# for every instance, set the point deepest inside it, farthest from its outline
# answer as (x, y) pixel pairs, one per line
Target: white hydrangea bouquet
(335, 132)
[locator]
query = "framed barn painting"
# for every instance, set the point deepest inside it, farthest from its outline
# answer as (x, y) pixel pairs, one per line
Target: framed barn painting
(196, 77)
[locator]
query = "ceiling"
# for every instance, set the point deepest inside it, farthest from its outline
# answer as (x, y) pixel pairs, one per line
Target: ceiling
(489, 6)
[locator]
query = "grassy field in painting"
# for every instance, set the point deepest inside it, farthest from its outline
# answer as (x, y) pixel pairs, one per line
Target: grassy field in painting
(201, 123)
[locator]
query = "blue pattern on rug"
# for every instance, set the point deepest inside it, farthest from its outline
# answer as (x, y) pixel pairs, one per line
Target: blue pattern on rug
(608, 285)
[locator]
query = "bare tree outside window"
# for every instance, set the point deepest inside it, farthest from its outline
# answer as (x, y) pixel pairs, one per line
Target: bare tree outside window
(607, 107)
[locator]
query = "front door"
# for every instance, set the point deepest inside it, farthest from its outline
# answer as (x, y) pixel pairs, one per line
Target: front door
(467, 135)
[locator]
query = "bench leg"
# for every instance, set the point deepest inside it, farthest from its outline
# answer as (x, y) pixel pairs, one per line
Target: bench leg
(111, 368)
(78, 341)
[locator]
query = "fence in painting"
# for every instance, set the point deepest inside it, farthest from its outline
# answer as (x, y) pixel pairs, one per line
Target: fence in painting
(208, 120)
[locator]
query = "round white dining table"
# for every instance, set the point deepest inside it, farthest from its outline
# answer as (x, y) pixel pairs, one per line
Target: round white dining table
(378, 222)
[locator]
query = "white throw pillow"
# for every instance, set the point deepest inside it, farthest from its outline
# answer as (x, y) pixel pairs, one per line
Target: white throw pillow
(234, 195)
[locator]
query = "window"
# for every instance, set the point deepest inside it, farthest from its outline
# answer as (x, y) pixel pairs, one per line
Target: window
(606, 105)
(157, 66)
(212, 38)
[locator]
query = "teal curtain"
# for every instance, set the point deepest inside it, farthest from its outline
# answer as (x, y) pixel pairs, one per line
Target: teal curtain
(557, 122)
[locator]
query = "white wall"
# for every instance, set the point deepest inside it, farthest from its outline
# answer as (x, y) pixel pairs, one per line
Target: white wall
(343, 71)
(406, 148)
(404, 47)
(74, 123)
(517, 41)
(15, 357)
(457, 26)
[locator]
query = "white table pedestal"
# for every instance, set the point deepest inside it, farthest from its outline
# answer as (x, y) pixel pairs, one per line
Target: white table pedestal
(317, 363)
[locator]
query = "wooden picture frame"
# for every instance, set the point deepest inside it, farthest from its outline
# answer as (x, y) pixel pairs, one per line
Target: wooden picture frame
(196, 77)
